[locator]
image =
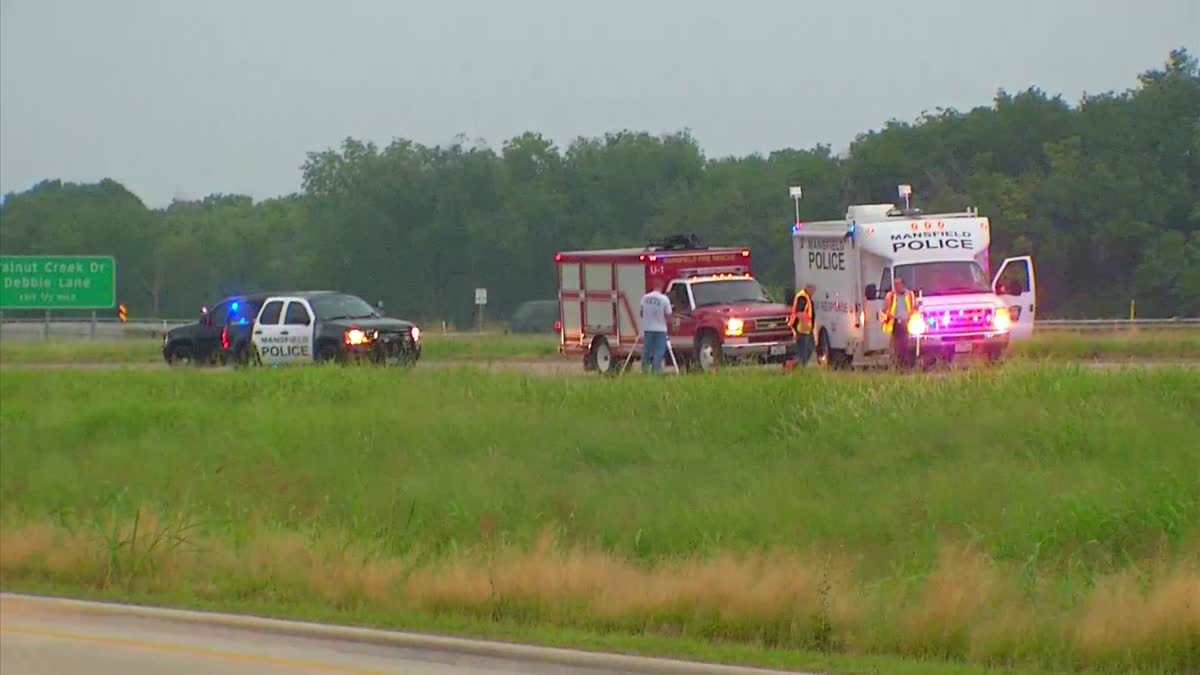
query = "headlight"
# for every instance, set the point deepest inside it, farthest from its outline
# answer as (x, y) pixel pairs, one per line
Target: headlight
(916, 324)
(355, 336)
(1001, 319)
(733, 327)
(416, 334)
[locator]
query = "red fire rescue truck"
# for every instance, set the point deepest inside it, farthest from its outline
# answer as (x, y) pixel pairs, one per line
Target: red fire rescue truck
(720, 312)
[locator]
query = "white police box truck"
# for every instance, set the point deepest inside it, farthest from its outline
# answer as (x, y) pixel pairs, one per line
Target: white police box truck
(942, 258)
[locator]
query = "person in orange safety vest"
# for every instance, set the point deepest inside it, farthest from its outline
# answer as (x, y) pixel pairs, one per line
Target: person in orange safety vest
(898, 306)
(802, 321)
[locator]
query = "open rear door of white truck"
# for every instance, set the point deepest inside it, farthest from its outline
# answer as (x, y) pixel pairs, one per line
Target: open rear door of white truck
(1016, 285)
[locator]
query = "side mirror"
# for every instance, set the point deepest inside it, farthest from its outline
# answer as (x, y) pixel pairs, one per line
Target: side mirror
(872, 292)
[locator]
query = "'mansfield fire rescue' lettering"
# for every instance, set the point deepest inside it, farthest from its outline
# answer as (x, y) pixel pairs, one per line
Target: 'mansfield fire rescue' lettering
(927, 241)
(712, 257)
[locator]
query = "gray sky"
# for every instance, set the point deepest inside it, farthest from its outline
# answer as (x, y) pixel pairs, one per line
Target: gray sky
(187, 98)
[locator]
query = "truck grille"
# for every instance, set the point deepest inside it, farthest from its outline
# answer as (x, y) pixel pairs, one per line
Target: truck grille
(970, 320)
(770, 324)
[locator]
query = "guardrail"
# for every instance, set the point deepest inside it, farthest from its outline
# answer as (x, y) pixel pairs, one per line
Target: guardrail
(108, 328)
(1084, 325)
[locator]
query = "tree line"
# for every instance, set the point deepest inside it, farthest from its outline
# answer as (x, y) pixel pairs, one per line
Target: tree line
(1104, 193)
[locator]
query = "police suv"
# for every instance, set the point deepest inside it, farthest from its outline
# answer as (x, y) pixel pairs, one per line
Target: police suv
(328, 326)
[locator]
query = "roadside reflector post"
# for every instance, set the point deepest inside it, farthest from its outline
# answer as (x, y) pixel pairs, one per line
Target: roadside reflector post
(46, 327)
(93, 328)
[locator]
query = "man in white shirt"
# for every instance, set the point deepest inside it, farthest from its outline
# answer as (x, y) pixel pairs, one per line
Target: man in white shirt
(655, 310)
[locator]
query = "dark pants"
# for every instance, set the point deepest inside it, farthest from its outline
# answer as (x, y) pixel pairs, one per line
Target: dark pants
(805, 346)
(902, 354)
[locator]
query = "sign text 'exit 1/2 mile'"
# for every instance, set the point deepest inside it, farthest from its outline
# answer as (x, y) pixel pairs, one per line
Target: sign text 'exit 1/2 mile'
(58, 282)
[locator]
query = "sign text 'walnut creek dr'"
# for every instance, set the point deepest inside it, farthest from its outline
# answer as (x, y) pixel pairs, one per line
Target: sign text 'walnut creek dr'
(58, 282)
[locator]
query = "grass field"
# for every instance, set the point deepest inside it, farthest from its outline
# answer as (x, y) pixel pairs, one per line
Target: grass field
(1148, 344)
(1042, 518)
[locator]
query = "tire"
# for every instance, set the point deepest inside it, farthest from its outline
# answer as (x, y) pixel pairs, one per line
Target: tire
(823, 352)
(708, 355)
(599, 357)
(180, 355)
(327, 353)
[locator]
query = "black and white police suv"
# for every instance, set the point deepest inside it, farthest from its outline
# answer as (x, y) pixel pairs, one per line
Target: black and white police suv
(328, 326)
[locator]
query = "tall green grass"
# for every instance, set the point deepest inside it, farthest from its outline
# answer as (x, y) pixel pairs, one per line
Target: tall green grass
(1024, 515)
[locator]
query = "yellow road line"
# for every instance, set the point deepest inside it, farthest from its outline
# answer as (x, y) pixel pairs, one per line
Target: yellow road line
(189, 651)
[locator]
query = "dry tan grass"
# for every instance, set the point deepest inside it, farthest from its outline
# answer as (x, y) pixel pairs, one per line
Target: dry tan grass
(963, 586)
(968, 607)
(1122, 618)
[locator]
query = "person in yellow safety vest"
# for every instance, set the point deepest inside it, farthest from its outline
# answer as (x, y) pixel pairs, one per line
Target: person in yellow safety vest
(803, 323)
(895, 317)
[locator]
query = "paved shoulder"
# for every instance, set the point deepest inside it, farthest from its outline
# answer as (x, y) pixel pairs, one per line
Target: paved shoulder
(40, 635)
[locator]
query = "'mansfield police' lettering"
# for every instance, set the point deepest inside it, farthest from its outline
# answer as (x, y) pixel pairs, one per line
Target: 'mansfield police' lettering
(825, 254)
(285, 346)
(931, 241)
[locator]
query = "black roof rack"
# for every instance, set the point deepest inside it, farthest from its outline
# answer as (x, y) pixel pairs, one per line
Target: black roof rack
(677, 242)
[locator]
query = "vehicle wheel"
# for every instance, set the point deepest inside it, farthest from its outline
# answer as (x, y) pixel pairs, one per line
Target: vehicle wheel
(600, 357)
(708, 352)
(328, 353)
(823, 351)
(180, 355)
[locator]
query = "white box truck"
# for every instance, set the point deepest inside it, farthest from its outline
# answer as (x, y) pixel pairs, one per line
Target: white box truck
(943, 258)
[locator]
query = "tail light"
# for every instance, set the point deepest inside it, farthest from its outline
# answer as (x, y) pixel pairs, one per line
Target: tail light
(225, 338)
(557, 326)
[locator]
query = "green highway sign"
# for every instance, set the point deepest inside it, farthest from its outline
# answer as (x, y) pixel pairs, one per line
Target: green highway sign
(58, 282)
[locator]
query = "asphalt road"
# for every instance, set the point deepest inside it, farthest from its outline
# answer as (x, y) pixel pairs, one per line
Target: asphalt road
(39, 637)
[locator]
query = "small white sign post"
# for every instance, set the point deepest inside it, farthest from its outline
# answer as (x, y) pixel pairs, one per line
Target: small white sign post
(480, 303)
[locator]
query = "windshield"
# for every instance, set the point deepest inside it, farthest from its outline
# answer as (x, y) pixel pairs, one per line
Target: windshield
(728, 292)
(944, 278)
(334, 307)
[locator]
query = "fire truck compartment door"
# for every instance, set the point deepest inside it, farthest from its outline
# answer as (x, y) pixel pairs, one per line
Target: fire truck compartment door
(631, 286)
(571, 301)
(598, 316)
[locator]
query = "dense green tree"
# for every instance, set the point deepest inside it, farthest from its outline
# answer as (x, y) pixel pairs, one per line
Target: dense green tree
(1105, 194)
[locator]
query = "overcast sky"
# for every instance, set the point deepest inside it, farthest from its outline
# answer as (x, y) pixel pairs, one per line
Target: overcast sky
(183, 98)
